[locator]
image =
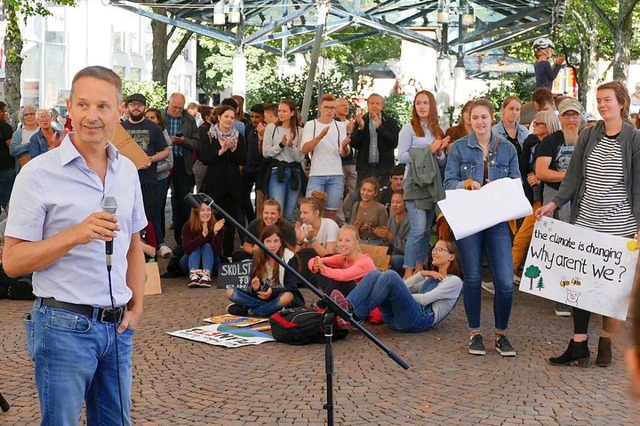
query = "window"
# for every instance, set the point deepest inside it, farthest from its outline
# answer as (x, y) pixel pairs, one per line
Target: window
(134, 43)
(118, 69)
(117, 40)
(134, 74)
(187, 87)
(186, 53)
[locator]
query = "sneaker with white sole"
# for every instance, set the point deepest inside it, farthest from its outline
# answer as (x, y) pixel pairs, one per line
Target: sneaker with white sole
(237, 310)
(205, 280)
(504, 347)
(476, 345)
(338, 297)
(562, 310)
(488, 286)
(165, 252)
(194, 278)
(516, 279)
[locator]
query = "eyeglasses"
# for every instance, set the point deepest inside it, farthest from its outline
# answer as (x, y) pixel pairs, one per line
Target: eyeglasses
(440, 250)
(28, 114)
(571, 115)
(44, 118)
(136, 104)
(535, 123)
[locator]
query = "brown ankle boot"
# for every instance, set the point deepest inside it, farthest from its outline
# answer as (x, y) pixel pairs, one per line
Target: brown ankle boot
(604, 352)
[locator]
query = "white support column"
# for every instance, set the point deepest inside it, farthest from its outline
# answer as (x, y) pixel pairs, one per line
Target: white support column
(459, 79)
(443, 88)
(239, 86)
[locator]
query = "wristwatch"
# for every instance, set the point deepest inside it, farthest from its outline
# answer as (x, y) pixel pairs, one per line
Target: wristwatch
(280, 145)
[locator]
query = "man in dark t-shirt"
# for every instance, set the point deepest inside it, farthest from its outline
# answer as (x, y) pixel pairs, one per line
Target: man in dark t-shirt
(148, 135)
(7, 162)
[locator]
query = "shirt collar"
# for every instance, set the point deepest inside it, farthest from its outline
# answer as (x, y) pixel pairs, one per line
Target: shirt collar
(69, 153)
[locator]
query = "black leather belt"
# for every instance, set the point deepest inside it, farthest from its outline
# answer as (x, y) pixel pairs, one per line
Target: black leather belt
(103, 314)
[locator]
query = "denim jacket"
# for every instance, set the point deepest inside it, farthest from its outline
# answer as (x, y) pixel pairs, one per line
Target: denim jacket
(465, 161)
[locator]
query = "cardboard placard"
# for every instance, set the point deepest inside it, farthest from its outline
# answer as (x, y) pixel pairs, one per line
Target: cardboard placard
(152, 279)
(234, 275)
(128, 147)
(580, 267)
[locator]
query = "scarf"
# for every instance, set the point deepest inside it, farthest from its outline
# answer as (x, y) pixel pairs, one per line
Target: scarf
(231, 134)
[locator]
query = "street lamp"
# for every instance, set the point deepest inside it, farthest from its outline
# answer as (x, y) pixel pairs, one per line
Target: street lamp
(231, 12)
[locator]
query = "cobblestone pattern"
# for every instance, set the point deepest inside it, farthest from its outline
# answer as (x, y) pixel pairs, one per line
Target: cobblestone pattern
(179, 382)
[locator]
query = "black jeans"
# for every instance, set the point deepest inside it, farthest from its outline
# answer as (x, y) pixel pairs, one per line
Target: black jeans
(181, 185)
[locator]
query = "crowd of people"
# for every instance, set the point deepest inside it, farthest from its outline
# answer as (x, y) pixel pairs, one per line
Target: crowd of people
(307, 212)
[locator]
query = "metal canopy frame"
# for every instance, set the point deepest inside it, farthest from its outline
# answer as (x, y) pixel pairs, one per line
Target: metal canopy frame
(271, 24)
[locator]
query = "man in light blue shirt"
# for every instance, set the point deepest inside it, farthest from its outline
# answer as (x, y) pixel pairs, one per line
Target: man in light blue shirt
(57, 230)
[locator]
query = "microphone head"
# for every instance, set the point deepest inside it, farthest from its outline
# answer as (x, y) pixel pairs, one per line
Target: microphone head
(109, 205)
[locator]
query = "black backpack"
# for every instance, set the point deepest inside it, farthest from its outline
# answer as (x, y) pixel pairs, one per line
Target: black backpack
(301, 326)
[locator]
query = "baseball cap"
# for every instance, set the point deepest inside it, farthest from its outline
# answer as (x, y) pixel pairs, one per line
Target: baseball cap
(570, 104)
(136, 97)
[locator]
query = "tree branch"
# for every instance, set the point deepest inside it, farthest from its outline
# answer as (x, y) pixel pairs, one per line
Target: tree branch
(171, 31)
(603, 16)
(628, 10)
(178, 49)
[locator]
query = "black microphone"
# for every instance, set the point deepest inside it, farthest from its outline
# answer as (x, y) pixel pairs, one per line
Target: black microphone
(109, 205)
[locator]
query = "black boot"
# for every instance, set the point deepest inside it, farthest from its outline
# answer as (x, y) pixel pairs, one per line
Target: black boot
(604, 352)
(577, 352)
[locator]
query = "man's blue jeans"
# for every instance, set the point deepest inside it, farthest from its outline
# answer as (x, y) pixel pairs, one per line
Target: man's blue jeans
(258, 307)
(200, 258)
(399, 310)
(75, 360)
(496, 243)
(417, 247)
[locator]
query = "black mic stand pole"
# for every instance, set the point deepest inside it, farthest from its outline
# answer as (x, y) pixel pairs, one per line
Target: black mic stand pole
(194, 200)
(4, 405)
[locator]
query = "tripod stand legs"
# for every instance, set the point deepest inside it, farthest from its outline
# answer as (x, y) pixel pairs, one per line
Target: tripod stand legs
(4, 405)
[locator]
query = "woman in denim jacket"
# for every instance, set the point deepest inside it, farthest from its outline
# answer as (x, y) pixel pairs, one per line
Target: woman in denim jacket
(473, 161)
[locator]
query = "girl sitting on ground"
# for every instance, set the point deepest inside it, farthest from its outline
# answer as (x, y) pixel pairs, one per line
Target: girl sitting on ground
(342, 271)
(202, 243)
(368, 213)
(272, 288)
(410, 306)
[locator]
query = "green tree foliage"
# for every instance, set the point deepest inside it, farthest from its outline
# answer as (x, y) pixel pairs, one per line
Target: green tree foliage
(13, 10)
(540, 284)
(532, 272)
(350, 57)
(398, 107)
(155, 92)
(215, 65)
(275, 88)
(521, 85)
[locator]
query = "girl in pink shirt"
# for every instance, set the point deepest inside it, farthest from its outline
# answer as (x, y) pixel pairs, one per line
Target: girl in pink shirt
(342, 271)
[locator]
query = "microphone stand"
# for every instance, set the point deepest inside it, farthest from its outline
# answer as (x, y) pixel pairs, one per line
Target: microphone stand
(194, 200)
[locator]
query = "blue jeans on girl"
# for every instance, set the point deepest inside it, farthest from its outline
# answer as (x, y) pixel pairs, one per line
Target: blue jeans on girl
(201, 258)
(417, 247)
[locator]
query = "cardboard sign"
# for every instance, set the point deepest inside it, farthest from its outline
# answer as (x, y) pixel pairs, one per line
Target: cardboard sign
(128, 147)
(224, 335)
(236, 321)
(152, 279)
(580, 267)
(234, 275)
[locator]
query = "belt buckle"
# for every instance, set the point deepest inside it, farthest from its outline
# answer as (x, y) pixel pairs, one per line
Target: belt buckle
(110, 315)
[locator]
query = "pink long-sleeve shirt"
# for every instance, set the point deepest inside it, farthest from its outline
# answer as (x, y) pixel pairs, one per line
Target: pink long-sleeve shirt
(336, 269)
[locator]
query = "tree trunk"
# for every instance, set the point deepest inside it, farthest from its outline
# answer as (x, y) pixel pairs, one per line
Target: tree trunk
(621, 52)
(588, 62)
(13, 63)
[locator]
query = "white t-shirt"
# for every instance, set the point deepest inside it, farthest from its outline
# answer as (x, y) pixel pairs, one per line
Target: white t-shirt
(328, 232)
(325, 157)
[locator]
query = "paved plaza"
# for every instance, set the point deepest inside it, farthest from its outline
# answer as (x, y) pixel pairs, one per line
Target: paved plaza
(179, 382)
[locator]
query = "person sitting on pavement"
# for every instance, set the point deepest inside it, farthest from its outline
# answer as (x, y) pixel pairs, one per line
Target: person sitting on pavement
(202, 242)
(271, 215)
(342, 271)
(396, 231)
(272, 288)
(410, 306)
(368, 214)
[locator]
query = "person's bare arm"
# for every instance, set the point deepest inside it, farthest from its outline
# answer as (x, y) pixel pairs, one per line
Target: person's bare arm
(22, 257)
(135, 281)
(544, 173)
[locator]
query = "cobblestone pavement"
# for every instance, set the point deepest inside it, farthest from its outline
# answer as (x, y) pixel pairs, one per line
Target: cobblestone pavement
(179, 382)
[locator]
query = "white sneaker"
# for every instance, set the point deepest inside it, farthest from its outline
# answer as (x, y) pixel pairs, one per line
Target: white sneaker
(194, 278)
(205, 280)
(165, 252)
(516, 279)
(488, 285)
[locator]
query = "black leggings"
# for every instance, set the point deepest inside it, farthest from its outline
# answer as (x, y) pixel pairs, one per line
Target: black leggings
(581, 322)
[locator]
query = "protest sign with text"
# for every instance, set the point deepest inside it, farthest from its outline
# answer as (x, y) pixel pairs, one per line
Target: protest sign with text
(234, 275)
(580, 267)
(224, 335)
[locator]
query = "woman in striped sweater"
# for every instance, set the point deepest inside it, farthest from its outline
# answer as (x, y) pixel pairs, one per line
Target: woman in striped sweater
(603, 185)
